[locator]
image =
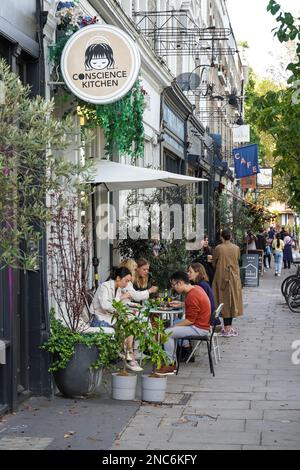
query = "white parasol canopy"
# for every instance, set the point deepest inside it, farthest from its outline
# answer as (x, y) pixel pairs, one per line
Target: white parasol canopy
(116, 176)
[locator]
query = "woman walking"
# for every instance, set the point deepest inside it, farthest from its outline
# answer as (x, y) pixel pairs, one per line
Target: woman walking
(287, 252)
(278, 247)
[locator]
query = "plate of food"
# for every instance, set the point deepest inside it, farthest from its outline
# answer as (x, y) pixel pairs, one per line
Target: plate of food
(134, 305)
(175, 304)
(163, 308)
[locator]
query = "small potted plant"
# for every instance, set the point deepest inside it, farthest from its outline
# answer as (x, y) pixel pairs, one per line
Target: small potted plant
(127, 325)
(153, 385)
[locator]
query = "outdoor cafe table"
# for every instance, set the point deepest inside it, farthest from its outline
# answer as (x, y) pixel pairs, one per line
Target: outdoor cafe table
(171, 314)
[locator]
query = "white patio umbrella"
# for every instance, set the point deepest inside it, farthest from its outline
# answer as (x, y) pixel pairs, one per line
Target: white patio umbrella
(117, 176)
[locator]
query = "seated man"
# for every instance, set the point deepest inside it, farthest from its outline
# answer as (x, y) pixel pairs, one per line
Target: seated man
(196, 321)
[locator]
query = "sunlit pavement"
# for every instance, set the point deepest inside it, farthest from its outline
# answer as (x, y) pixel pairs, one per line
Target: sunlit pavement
(253, 402)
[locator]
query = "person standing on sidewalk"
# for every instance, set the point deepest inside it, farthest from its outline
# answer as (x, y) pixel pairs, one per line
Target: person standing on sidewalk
(227, 285)
(267, 257)
(288, 251)
(205, 258)
(278, 247)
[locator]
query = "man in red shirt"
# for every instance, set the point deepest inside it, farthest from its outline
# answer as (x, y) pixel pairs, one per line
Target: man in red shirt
(196, 321)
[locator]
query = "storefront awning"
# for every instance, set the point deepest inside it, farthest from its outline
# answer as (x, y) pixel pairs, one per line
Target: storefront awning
(116, 176)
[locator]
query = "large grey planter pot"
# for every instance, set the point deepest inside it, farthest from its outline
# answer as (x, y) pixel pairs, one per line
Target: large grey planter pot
(154, 388)
(78, 378)
(123, 387)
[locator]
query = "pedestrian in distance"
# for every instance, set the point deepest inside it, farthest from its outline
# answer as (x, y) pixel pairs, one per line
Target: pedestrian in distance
(250, 241)
(288, 251)
(205, 257)
(278, 247)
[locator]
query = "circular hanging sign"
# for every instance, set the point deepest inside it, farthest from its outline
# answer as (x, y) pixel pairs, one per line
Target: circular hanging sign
(100, 63)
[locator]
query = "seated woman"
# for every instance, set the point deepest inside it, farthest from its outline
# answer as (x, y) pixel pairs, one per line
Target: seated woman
(103, 310)
(198, 276)
(142, 281)
(137, 295)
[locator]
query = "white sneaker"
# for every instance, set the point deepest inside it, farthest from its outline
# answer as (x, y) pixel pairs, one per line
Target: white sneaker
(133, 365)
(139, 355)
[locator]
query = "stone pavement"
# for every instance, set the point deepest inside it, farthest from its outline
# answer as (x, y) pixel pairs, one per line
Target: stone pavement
(66, 424)
(253, 402)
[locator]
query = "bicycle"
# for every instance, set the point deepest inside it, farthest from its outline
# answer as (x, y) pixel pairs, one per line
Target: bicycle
(289, 281)
(290, 289)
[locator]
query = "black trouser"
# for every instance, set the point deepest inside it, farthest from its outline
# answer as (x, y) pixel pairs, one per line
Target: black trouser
(227, 321)
(287, 264)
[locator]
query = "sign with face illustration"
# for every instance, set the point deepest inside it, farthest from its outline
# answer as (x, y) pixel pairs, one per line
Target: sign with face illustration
(100, 63)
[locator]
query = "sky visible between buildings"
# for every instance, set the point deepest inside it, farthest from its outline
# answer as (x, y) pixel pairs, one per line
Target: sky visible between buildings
(252, 22)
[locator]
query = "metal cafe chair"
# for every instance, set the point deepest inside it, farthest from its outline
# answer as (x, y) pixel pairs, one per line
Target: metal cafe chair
(208, 339)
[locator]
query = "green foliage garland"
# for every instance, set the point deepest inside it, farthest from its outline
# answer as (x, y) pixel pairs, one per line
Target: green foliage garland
(122, 122)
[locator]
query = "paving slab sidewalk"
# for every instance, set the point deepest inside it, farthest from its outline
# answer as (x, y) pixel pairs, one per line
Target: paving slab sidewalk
(252, 403)
(66, 424)
(254, 400)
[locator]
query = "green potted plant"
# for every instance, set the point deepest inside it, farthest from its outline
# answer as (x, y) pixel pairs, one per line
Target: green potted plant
(153, 385)
(39, 189)
(78, 358)
(127, 324)
(79, 351)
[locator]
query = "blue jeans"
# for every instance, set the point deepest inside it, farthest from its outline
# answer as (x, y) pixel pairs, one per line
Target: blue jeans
(278, 261)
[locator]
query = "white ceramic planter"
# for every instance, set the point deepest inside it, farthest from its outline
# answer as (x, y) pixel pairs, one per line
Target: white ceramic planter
(153, 388)
(123, 387)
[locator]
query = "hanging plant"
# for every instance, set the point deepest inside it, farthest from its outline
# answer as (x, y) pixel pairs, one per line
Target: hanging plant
(122, 121)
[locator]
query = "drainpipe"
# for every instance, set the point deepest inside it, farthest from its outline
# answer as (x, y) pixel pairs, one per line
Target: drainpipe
(95, 259)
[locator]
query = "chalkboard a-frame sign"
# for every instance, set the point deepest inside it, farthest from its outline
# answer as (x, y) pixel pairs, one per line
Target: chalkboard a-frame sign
(250, 263)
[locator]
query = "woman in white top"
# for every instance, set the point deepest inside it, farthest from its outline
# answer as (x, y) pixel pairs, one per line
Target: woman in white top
(103, 310)
(108, 291)
(278, 247)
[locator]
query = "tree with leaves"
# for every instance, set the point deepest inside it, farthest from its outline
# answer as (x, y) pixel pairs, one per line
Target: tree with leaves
(32, 142)
(288, 30)
(277, 112)
(256, 89)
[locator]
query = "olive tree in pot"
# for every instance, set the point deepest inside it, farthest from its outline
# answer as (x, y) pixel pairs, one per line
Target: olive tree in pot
(127, 325)
(153, 385)
(79, 351)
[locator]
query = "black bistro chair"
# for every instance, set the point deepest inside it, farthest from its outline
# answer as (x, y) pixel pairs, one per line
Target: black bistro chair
(208, 339)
